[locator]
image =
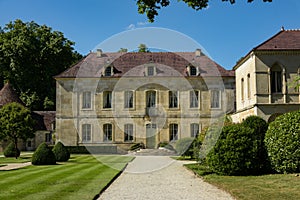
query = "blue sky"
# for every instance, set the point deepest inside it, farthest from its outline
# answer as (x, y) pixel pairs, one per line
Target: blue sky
(227, 32)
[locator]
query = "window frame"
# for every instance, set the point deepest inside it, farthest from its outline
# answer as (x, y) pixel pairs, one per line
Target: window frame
(194, 99)
(86, 100)
(192, 129)
(173, 132)
(107, 100)
(193, 71)
(276, 81)
(173, 99)
(108, 71)
(128, 133)
(129, 99)
(219, 92)
(86, 133)
(107, 132)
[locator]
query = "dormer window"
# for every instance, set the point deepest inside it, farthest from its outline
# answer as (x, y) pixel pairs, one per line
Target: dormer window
(193, 71)
(108, 71)
(150, 71)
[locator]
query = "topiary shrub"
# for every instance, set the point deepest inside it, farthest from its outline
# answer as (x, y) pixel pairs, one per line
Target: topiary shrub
(137, 146)
(11, 151)
(43, 156)
(283, 143)
(235, 152)
(61, 152)
(259, 126)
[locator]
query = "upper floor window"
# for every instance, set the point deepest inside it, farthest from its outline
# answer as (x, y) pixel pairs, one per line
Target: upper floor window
(86, 132)
(151, 99)
(173, 129)
(242, 89)
(215, 99)
(107, 132)
(128, 132)
(194, 130)
(248, 86)
(276, 79)
(150, 71)
(108, 71)
(86, 100)
(107, 99)
(193, 71)
(173, 99)
(128, 99)
(194, 99)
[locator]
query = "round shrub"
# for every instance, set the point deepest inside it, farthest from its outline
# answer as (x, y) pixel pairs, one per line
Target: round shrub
(235, 152)
(260, 127)
(11, 151)
(61, 152)
(43, 156)
(283, 143)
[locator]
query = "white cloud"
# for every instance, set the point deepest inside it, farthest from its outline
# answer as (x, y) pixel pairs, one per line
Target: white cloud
(130, 27)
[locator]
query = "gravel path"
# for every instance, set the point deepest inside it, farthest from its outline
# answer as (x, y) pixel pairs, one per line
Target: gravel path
(11, 166)
(160, 177)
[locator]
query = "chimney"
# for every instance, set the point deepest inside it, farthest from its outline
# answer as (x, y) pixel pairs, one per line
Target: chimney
(99, 53)
(198, 52)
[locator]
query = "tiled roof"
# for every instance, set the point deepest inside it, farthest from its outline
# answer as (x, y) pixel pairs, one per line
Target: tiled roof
(283, 40)
(44, 120)
(9, 95)
(133, 64)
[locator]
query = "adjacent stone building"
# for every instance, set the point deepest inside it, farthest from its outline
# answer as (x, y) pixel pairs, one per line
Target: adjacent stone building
(117, 99)
(265, 78)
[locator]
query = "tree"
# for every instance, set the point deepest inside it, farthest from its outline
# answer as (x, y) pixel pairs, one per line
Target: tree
(151, 7)
(16, 123)
(30, 55)
(123, 50)
(143, 48)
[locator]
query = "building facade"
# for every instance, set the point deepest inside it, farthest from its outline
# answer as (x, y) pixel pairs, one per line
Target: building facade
(266, 78)
(124, 98)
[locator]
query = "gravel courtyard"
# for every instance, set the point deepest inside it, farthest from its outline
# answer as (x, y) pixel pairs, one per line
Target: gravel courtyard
(160, 177)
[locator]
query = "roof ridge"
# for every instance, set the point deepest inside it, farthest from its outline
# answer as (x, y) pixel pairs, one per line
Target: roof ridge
(261, 44)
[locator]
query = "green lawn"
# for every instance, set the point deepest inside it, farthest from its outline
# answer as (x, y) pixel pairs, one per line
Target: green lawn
(266, 187)
(82, 177)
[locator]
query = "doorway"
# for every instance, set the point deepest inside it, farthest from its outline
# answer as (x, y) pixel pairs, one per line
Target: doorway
(151, 136)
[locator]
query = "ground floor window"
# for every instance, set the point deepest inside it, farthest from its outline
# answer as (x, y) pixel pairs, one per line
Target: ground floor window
(107, 130)
(194, 130)
(128, 132)
(86, 132)
(173, 128)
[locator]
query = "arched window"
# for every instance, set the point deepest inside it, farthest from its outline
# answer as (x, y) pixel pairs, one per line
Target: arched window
(242, 89)
(248, 86)
(276, 79)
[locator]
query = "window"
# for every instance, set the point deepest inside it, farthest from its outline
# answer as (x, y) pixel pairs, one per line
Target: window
(86, 132)
(107, 96)
(248, 86)
(151, 99)
(150, 71)
(193, 71)
(48, 137)
(242, 89)
(173, 132)
(194, 130)
(29, 143)
(128, 132)
(107, 130)
(128, 99)
(194, 99)
(173, 99)
(276, 79)
(215, 99)
(86, 100)
(108, 71)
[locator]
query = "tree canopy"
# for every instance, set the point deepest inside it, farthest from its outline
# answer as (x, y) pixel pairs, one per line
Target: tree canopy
(16, 123)
(30, 55)
(151, 7)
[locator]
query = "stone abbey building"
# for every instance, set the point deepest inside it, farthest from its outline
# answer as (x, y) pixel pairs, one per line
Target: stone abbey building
(117, 99)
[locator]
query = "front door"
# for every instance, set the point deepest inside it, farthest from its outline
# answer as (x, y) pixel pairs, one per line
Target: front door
(151, 136)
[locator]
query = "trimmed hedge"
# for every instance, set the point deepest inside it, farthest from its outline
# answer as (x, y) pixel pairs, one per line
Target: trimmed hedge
(283, 143)
(235, 152)
(61, 152)
(43, 156)
(10, 151)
